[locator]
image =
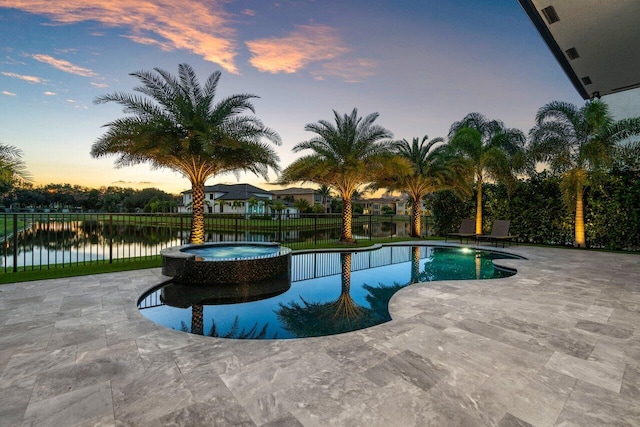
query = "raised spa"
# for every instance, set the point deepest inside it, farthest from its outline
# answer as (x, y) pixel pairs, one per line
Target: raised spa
(226, 263)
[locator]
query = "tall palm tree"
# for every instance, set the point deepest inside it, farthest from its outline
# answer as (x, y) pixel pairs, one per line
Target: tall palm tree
(575, 142)
(429, 169)
(346, 155)
(490, 150)
(176, 124)
(12, 167)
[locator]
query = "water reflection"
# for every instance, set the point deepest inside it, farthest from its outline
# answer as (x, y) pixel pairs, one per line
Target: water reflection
(331, 293)
(307, 319)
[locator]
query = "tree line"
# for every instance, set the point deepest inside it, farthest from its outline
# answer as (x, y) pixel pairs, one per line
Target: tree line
(69, 198)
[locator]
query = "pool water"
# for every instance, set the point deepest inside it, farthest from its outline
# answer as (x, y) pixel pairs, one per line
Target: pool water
(330, 293)
(224, 252)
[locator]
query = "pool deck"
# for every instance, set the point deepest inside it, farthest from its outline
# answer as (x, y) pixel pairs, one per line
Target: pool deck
(556, 344)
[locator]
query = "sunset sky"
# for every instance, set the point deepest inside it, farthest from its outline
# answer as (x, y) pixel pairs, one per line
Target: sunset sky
(421, 64)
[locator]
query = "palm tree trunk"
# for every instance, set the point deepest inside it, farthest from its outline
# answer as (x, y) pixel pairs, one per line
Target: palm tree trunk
(479, 206)
(579, 226)
(347, 211)
(415, 217)
(197, 319)
(197, 215)
(415, 264)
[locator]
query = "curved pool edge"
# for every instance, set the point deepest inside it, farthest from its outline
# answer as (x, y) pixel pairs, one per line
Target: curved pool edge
(403, 304)
(397, 295)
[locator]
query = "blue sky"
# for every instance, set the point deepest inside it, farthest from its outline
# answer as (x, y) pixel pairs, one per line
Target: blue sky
(421, 64)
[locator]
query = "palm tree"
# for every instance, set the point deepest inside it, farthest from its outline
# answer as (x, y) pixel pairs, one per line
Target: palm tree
(429, 170)
(175, 124)
(302, 205)
(12, 167)
(490, 151)
(575, 142)
(325, 192)
(345, 155)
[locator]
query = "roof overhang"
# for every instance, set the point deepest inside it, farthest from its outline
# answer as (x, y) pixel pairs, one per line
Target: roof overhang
(596, 42)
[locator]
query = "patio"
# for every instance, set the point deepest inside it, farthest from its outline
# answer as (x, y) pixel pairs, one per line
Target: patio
(556, 344)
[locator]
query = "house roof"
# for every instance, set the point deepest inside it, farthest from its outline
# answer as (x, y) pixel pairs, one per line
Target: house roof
(596, 42)
(294, 190)
(235, 191)
(378, 200)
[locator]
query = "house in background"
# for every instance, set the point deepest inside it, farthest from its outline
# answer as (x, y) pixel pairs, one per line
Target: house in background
(294, 193)
(290, 195)
(241, 199)
(377, 206)
(233, 199)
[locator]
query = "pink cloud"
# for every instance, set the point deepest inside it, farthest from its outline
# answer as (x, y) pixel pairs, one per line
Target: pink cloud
(289, 54)
(196, 26)
(350, 70)
(30, 79)
(64, 65)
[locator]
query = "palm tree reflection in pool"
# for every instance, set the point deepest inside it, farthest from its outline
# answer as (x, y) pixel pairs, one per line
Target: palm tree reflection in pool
(309, 319)
(197, 327)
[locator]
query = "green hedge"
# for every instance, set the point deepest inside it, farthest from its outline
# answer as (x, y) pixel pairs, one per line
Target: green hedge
(538, 214)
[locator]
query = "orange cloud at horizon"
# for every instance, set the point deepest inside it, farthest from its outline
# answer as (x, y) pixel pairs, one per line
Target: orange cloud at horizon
(201, 28)
(289, 54)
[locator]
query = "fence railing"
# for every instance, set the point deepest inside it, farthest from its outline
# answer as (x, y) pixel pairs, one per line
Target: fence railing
(32, 241)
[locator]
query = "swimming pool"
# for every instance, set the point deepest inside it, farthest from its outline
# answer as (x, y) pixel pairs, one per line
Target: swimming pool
(330, 293)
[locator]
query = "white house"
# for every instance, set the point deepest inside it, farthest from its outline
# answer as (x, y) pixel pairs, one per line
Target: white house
(244, 199)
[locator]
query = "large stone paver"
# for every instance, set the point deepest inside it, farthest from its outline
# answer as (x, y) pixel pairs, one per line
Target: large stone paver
(556, 344)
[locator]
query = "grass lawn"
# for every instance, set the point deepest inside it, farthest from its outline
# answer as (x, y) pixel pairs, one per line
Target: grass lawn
(6, 225)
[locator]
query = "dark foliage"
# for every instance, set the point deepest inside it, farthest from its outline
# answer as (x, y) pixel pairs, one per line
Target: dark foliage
(538, 214)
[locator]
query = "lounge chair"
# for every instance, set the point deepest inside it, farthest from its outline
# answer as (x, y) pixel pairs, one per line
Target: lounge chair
(499, 233)
(467, 230)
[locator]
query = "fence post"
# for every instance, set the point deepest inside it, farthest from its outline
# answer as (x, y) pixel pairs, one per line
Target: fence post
(236, 230)
(280, 227)
(370, 227)
(181, 229)
(315, 229)
(15, 242)
(110, 238)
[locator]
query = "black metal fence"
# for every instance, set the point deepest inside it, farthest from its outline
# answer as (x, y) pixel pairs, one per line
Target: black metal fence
(32, 241)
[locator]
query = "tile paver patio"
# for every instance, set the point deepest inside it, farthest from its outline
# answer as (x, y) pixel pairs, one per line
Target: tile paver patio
(556, 344)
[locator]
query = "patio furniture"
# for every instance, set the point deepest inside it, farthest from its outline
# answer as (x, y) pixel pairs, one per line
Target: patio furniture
(467, 230)
(499, 233)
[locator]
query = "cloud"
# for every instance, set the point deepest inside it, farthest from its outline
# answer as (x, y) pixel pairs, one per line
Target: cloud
(64, 65)
(11, 61)
(350, 70)
(249, 12)
(50, 93)
(291, 53)
(30, 79)
(7, 93)
(99, 85)
(196, 26)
